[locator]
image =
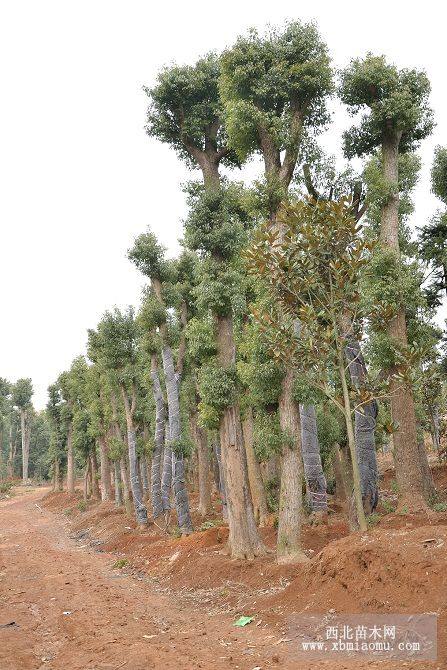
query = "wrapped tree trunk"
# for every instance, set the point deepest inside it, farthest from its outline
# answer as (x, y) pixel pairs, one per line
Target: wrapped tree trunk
(178, 465)
(220, 478)
(144, 477)
(117, 485)
(106, 489)
(70, 461)
(364, 427)
(159, 440)
(254, 472)
(166, 475)
(313, 468)
(290, 497)
(137, 495)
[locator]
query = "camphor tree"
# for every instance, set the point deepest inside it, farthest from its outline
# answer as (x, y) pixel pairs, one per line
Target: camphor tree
(21, 397)
(114, 344)
(186, 113)
(261, 378)
(274, 90)
(55, 410)
(203, 420)
(311, 269)
(64, 384)
(72, 385)
(149, 257)
(95, 401)
(399, 118)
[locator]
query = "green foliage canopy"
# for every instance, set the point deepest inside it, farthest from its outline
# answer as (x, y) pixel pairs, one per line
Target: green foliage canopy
(397, 101)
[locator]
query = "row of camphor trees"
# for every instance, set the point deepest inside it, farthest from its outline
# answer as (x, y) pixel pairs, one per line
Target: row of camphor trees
(293, 336)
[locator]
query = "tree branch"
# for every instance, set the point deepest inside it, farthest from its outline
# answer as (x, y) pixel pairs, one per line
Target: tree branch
(308, 182)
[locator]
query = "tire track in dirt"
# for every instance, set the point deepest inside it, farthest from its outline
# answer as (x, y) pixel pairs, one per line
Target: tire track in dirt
(72, 612)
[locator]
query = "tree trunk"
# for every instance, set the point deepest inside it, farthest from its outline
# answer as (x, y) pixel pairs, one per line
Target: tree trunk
(364, 428)
(243, 540)
(429, 485)
(55, 474)
(254, 472)
(360, 514)
(159, 440)
(58, 480)
(271, 470)
(86, 477)
(220, 477)
(144, 477)
(409, 471)
(11, 455)
(117, 485)
(203, 465)
(341, 487)
(126, 486)
(166, 475)
(106, 489)
(139, 506)
(289, 548)
(70, 461)
(94, 474)
(313, 468)
(25, 445)
(178, 465)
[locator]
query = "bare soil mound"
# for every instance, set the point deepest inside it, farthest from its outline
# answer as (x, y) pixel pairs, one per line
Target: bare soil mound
(382, 571)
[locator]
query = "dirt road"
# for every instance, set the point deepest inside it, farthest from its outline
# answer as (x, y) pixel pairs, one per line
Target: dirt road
(63, 606)
(72, 611)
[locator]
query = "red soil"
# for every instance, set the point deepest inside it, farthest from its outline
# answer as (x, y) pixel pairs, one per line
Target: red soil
(190, 583)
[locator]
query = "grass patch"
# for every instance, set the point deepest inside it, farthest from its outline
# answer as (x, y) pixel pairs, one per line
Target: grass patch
(120, 563)
(388, 507)
(440, 507)
(373, 519)
(5, 487)
(82, 505)
(206, 525)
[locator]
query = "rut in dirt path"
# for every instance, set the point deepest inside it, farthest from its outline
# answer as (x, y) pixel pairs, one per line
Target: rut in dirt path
(71, 610)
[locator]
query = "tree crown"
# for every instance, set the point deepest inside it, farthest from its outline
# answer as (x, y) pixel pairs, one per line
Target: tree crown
(22, 393)
(267, 79)
(186, 112)
(398, 103)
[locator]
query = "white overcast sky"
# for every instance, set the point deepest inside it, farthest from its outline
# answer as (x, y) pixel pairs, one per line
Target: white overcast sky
(78, 176)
